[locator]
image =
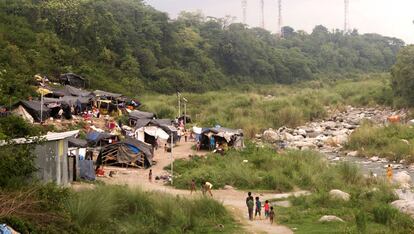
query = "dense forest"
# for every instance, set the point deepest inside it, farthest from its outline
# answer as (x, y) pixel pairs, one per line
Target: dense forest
(127, 46)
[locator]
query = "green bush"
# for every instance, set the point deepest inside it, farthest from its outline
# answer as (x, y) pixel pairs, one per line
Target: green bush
(384, 214)
(361, 221)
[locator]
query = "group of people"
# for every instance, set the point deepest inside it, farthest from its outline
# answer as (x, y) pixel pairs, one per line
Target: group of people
(251, 202)
(205, 187)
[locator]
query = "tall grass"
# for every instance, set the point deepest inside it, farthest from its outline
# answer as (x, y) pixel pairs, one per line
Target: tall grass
(259, 107)
(394, 141)
(268, 170)
(116, 209)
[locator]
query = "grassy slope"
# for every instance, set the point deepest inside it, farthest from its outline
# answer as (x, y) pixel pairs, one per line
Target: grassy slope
(250, 107)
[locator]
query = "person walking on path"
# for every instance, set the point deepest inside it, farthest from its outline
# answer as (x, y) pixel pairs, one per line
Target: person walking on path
(150, 176)
(271, 215)
(207, 188)
(258, 210)
(389, 173)
(192, 186)
(250, 205)
(266, 209)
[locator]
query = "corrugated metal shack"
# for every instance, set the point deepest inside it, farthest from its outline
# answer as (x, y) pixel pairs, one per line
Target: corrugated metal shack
(52, 159)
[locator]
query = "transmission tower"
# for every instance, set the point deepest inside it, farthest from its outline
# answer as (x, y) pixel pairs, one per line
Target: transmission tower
(262, 20)
(244, 9)
(279, 22)
(346, 16)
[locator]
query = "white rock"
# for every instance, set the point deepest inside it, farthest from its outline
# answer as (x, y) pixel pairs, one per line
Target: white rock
(352, 154)
(287, 136)
(402, 178)
(330, 218)
(298, 138)
(340, 139)
(271, 136)
(405, 206)
(338, 194)
(301, 132)
(228, 187)
(374, 159)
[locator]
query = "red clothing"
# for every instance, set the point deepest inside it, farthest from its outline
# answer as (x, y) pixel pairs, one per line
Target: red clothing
(266, 206)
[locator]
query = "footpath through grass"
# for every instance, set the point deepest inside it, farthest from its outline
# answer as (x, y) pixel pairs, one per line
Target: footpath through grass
(395, 141)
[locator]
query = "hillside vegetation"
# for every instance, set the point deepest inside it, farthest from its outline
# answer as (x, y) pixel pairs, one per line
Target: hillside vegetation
(127, 46)
(255, 108)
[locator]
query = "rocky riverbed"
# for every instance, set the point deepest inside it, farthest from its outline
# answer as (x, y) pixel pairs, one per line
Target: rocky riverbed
(329, 137)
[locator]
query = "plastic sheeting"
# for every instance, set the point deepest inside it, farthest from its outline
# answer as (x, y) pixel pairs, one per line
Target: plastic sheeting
(152, 131)
(86, 170)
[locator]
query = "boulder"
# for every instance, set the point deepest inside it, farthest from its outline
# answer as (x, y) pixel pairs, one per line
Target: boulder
(374, 159)
(352, 154)
(405, 206)
(298, 138)
(340, 139)
(301, 132)
(330, 218)
(271, 136)
(228, 187)
(403, 179)
(287, 136)
(340, 195)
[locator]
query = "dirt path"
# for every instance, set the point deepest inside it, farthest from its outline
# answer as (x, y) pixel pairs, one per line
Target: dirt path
(233, 199)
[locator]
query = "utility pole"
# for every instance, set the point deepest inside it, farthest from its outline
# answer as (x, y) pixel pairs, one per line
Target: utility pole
(179, 104)
(346, 16)
(172, 159)
(185, 111)
(262, 20)
(279, 20)
(244, 10)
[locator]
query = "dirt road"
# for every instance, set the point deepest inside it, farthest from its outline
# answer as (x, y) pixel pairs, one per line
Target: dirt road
(234, 200)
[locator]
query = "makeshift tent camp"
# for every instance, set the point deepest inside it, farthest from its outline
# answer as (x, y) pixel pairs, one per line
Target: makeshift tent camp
(34, 109)
(130, 151)
(72, 79)
(20, 111)
(96, 138)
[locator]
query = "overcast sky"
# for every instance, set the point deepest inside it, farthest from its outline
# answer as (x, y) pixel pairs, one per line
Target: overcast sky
(387, 17)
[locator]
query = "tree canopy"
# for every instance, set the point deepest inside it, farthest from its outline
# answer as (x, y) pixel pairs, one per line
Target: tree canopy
(127, 46)
(403, 76)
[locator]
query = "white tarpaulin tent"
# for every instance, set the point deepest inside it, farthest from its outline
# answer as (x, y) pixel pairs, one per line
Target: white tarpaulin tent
(152, 131)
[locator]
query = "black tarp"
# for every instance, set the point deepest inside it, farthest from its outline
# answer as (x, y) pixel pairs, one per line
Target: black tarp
(136, 114)
(72, 79)
(33, 108)
(94, 138)
(72, 91)
(129, 151)
(76, 142)
(100, 93)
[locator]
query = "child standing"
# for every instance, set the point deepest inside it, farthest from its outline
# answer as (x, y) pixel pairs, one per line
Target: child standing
(258, 208)
(271, 215)
(266, 209)
(150, 176)
(193, 186)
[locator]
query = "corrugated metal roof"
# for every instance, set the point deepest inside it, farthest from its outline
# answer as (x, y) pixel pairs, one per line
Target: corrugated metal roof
(50, 136)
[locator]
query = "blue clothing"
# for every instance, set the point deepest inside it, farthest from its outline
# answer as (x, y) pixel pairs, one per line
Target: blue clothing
(258, 205)
(212, 141)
